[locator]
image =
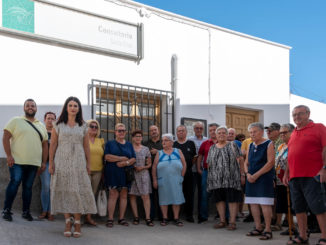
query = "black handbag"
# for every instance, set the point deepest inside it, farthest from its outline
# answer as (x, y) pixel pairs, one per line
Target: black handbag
(129, 170)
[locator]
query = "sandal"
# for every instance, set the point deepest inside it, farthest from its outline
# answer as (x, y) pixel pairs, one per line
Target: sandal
(220, 225)
(298, 240)
(277, 227)
(232, 226)
(136, 221)
(77, 234)
(43, 215)
(50, 217)
(164, 222)
(149, 222)
(90, 222)
(123, 222)
(67, 233)
(109, 223)
(266, 236)
(178, 222)
(319, 241)
(254, 232)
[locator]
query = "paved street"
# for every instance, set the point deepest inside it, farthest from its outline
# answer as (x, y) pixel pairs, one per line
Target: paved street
(45, 232)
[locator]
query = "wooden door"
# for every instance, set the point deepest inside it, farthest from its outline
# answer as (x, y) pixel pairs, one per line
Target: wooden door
(239, 119)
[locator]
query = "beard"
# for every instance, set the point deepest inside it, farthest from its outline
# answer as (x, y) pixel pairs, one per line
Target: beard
(27, 114)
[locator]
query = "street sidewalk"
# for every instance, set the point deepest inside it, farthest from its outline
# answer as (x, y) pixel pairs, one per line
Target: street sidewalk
(20, 231)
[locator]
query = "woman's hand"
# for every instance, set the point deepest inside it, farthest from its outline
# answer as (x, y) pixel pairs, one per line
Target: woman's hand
(251, 178)
(121, 164)
(51, 169)
(88, 169)
(138, 169)
(155, 184)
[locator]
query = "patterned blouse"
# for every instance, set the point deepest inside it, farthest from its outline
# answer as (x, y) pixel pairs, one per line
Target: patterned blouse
(223, 167)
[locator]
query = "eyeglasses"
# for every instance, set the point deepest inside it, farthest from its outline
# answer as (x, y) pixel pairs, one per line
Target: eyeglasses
(121, 130)
(93, 127)
(198, 128)
(284, 132)
(269, 130)
(299, 114)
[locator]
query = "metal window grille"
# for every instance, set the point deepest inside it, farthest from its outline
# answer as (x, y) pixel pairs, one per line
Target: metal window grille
(136, 107)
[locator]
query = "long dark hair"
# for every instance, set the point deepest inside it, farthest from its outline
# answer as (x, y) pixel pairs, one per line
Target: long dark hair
(63, 118)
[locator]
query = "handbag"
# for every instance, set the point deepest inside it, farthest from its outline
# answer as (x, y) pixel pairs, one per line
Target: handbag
(129, 170)
(102, 202)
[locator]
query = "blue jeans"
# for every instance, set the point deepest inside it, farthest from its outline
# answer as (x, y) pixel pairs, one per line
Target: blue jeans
(20, 173)
(204, 196)
(45, 189)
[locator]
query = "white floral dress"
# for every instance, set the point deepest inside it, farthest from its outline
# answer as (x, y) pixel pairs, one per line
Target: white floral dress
(71, 190)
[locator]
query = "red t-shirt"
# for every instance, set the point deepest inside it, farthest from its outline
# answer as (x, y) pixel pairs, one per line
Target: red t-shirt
(204, 149)
(305, 150)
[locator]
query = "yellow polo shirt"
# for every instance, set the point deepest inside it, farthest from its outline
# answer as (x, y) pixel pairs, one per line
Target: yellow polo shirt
(25, 143)
(245, 144)
(97, 152)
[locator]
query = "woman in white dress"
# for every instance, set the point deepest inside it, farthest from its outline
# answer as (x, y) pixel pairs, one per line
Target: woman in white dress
(69, 165)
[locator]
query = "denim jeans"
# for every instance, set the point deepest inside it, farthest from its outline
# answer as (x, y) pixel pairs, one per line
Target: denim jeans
(204, 196)
(20, 173)
(45, 189)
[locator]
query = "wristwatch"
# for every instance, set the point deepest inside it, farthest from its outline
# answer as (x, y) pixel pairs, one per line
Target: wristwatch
(127, 163)
(324, 167)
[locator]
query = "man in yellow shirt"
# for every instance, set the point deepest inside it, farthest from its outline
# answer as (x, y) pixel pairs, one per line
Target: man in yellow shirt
(25, 141)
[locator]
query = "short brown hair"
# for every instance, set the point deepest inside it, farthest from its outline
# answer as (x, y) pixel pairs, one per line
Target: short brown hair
(137, 131)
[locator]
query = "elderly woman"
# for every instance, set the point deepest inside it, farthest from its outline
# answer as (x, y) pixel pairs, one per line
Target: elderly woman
(225, 165)
(96, 146)
(259, 170)
(281, 163)
(119, 155)
(141, 186)
(168, 170)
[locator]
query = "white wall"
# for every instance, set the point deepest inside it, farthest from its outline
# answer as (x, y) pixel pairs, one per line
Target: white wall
(317, 109)
(242, 69)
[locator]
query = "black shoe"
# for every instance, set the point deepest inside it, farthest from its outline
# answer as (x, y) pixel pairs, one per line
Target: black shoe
(202, 220)
(248, 218)
(190, 219)
(6, 215)
(26, 215)
(285, 223)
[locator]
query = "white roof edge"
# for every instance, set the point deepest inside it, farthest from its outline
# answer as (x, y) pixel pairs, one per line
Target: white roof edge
(203, 23)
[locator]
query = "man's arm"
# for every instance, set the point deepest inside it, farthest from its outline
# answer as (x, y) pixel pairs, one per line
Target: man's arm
(322, 172)
(45, 153)
(6, 145)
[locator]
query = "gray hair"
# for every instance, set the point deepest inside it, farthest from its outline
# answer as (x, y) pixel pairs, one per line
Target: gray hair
(199, 122)
(256, 124)
(222, 127)
(181, 126)
(169, 136)
(302, 106)
(289, 126)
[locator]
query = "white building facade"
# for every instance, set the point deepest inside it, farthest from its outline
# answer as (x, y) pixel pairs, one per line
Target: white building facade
(175, 67)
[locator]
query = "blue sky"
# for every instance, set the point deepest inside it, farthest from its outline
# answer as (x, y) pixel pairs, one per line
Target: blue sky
(300, 24)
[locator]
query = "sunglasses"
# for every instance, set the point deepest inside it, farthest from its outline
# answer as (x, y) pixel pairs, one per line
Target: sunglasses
(199, 128)
(93, 126)
(121, 130)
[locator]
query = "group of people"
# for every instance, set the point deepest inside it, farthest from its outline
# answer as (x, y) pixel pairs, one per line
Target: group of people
(72, 160)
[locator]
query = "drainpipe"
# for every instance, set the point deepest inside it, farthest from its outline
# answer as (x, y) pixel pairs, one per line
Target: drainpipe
(174, 89)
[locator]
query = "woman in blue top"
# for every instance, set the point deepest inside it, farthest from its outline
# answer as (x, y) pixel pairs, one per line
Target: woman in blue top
(119, 154)
(168, 170)
(259, 169)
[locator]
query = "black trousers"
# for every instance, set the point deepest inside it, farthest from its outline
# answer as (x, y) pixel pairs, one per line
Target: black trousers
(188, 192)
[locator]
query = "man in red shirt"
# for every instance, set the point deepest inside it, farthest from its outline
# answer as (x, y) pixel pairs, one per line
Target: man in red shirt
(307, 172)
(202, 170)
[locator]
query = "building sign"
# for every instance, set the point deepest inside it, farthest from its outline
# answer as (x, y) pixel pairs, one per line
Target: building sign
(18, 15)
(68, 26)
